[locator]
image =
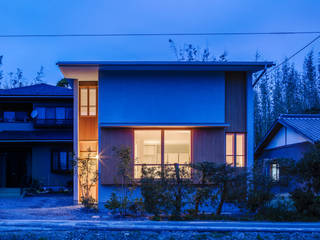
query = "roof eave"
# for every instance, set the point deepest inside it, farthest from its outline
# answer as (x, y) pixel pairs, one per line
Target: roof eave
(173, 65)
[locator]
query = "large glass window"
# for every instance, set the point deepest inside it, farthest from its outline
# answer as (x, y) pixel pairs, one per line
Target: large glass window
(235, 149)
(149, 145)
(88, 101)
(177, 146)
(147, 150)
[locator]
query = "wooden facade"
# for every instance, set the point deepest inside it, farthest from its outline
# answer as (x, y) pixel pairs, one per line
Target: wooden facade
(88, 130)
(235, 97)
(208, 145)
(110, 138)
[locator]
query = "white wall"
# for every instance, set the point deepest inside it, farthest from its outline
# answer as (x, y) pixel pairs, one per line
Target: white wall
(285, 136)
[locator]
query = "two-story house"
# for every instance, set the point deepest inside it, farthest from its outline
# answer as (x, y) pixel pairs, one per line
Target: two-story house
(36, 136)
(166, 112)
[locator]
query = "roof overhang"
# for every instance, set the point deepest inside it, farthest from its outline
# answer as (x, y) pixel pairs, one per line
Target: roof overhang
(35, 140)
(164, 125)
(93, 66)
(37, 96)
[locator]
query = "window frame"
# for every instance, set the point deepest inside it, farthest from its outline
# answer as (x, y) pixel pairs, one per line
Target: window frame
(235, 155)
(162, 146)
(88, 106)
(59, 170)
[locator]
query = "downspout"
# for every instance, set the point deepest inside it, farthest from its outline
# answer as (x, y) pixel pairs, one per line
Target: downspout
(260, 76)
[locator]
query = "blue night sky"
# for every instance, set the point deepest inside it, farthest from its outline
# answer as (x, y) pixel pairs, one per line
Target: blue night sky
(147, 16)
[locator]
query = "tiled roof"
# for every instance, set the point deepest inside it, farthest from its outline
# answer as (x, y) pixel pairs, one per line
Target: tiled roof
(305, 124)
(41, 89)
(40, 135)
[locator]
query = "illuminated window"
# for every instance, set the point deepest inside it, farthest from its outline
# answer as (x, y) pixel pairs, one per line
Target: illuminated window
(275, 170)
(149, 144)
(88, 101)
(235, 149)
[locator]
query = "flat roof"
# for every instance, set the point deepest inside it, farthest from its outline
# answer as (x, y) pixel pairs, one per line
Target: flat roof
(170, 65)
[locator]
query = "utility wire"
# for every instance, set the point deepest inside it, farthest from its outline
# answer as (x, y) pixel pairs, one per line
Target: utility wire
(293, 55)
(286, 60)
(154, 34)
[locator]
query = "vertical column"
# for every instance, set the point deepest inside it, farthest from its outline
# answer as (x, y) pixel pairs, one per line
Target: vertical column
(75, 136)
(250, 123)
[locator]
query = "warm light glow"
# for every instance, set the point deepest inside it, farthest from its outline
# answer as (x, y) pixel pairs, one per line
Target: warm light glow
(148, 145)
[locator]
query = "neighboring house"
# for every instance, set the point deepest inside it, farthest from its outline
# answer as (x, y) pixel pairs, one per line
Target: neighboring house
(166, 112)
(290, 137)
(36, 136)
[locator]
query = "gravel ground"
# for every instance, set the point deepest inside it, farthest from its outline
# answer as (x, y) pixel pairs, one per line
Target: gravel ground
(61, 207)
(48, 206)
(165, 235)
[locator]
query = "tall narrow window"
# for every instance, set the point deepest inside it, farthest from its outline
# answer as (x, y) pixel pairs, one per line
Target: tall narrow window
(88, 101)
(92, 101)
(240, 153)
(83, 101)
(235, 149)
(275, 171)
(230, 149)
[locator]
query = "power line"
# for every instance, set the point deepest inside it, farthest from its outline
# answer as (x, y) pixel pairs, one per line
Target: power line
(286, 60)
(296, 53)
(155, 34)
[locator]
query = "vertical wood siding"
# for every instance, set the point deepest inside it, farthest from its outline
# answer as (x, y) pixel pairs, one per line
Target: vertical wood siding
(236, 101)
(208, 145)
(110, 138)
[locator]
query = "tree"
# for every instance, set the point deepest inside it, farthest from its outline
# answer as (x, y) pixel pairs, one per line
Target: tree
(17, 79)
(306, 195)
(63, 83)
(85, 168)
(277, 97)
(39, 76)
(265, 98)
(311, 81)
(191, 53)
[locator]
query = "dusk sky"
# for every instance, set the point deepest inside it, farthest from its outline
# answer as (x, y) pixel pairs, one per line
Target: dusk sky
(147, 16)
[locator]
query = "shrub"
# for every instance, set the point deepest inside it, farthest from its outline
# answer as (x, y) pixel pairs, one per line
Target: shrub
(306, 196)
(123, 153)
(165, 191)
(278, 210)
(227, 184)
(306, 203)
(113, 203)
(86, 168)
(259, 189)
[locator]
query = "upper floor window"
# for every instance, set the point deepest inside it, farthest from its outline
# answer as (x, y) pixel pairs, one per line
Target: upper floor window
(235, 149)
(15, 116)
(88, 101)
(54, 113)
(160, 149)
